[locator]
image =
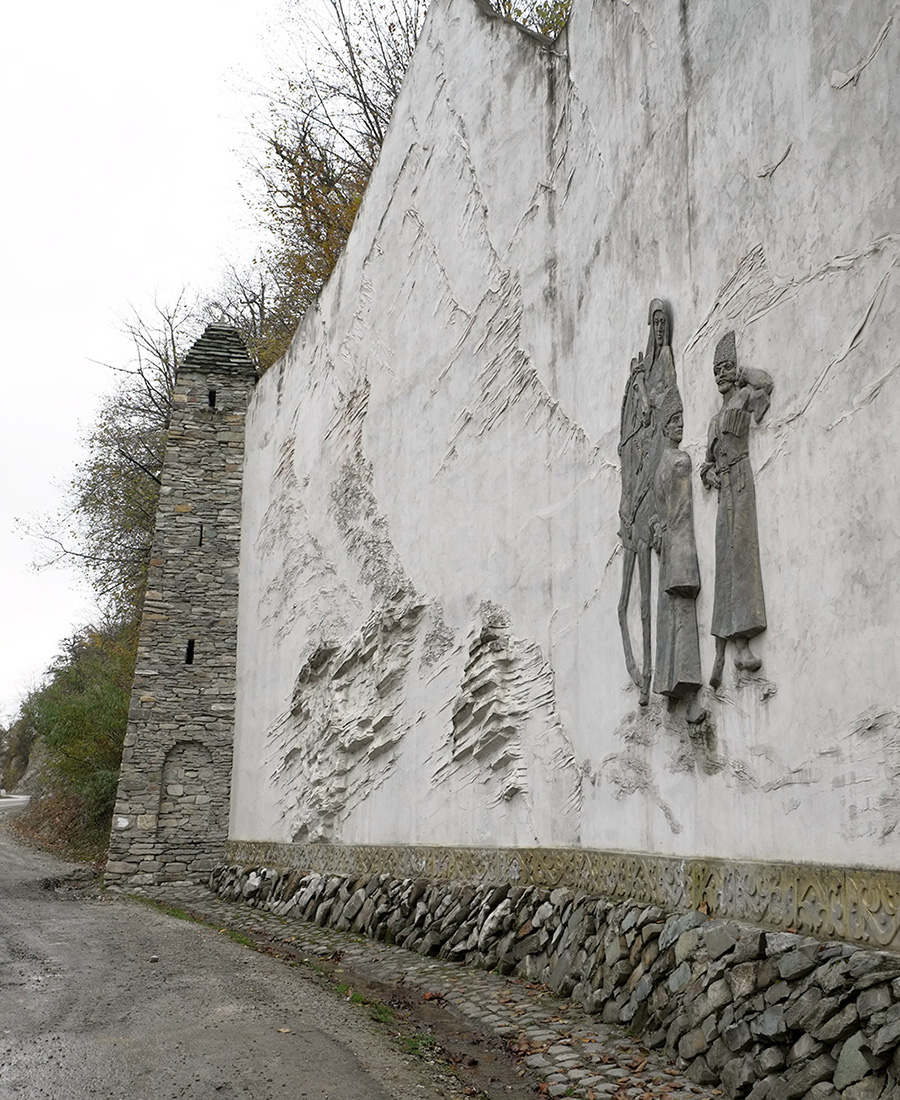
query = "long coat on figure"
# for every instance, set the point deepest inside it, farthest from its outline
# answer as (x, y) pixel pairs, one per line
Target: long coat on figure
(739, 608)
(677, 638)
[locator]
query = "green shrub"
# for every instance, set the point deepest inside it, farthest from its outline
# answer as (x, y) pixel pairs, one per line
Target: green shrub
(80, 715)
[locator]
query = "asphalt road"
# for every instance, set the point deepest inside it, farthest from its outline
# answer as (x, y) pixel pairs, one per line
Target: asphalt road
(86, 1012)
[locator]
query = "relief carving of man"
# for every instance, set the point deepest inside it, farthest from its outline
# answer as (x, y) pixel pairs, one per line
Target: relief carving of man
(739, 610)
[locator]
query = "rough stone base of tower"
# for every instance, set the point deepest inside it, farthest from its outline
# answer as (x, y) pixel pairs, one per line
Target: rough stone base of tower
(171, 816)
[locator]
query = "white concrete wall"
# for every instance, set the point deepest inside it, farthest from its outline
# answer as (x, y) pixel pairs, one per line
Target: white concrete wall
(437, 454)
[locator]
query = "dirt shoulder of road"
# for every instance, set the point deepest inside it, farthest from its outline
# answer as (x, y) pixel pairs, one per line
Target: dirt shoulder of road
(116, 995)
(502, 1036)
(474, 1033)
(461, 1059)
(465, 1059)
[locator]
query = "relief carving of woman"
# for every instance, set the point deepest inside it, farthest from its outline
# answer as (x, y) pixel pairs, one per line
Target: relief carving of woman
(739, 609)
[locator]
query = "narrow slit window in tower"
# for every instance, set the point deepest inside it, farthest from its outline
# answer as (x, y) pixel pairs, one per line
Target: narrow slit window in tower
(189, 653)
(212, 399)
(200, 536)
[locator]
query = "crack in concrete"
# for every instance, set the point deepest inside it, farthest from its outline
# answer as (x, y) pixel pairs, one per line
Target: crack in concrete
(769, 170)
(752, 290)
(841, 80)
(865, 396)
(851, 342)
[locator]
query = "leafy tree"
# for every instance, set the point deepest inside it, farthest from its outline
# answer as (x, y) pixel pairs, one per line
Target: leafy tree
(325, 127)
(345, 90)
(115, 489)
(253, 301)
(320, 141)
(80, 715)
(312, 196)
(548, 17)
(15, 751)
(82, 711)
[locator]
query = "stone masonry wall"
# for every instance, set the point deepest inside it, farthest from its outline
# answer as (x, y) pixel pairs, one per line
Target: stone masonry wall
(772, 1015)
(171, 817)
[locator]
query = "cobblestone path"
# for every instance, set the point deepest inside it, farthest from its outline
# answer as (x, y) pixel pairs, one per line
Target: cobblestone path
(568, 1051)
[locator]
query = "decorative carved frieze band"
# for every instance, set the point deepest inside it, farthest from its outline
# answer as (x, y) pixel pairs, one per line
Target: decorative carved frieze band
(858, 905)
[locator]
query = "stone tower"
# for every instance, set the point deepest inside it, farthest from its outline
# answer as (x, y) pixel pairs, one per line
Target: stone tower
(171, 816)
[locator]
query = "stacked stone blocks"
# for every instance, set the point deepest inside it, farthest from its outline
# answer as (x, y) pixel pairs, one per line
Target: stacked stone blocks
(171, 817)
(829, 903)
(770, 1015)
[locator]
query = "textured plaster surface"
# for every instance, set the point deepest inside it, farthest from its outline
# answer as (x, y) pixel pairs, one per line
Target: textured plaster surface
(430, 566)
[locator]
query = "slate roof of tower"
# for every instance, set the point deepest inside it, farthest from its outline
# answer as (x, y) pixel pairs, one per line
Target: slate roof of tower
(221, 347)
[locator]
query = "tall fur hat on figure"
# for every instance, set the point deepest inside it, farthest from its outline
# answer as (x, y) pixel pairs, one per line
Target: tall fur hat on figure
(726, 352)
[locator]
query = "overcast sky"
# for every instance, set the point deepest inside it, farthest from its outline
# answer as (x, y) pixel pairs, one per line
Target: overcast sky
(124, 127)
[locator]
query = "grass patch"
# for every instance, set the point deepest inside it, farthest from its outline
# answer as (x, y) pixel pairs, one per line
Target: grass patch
(381, 1013)
(182, 914)
(420, 1044)
(162, 907)
(239, 937)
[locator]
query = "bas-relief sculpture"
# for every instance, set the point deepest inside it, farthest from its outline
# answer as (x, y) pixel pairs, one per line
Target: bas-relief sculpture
(677, 674)
(656, 511)
(752, 783)
(652, 386)
(739, 610)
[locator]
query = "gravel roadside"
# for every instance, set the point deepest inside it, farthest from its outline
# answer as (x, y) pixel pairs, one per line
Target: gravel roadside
(105, 998)
(558, 1049)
